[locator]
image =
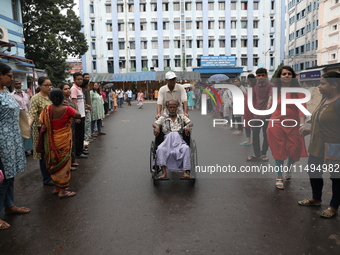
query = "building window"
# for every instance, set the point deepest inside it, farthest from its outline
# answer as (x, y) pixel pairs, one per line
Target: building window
(198, 61)
(176, 7)
(120, 8)
(188, 6)
(244, 5)
(153, 7)
(210, 6)
(120, 26)
(256, 43)
(132, 45)
(244, 61)
(121, 64)
(94, 65)
(189, 44)
(109, 46)
(222, 43)
(177, 63)
(155, 45)
(334, 27)
(109, 27)
(233, 6)
(144, 45)
(199, 43)
(188, 25)
(142, 7)
(244, 24)
(199, 24)
(256, 6)
(165, 7)
(132, 64)
(165, 25)
(166, 62)
(189, 62)
(233, 24)
(244, 43)
(177, 44)
(108, 8)
(211, 24)
(221, 6)
(121, 45)
(155, 62)
(142, 26)
(176, 25)
(15, 10)
(255, 24)
(211, 43)
(144, 63)
(166, 44)
(272, 5)
(333, 56)
(91, 8)
(131, 26)
(255, 61)
(92, 27)
(154, 26)
(233, 43)
(198, 6)
(131, 7)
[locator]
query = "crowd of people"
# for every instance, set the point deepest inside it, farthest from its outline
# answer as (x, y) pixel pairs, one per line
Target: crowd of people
(65, 120)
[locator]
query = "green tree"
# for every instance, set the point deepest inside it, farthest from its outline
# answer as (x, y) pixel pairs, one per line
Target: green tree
(276, 71)
(52, 32)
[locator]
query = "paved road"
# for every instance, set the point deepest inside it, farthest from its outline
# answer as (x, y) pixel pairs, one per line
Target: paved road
(117, 209)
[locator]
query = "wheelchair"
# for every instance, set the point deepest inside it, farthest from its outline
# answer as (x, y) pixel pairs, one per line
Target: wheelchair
(155, 169)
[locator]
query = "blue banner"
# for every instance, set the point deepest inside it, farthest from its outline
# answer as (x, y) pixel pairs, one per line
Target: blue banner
(218, 61)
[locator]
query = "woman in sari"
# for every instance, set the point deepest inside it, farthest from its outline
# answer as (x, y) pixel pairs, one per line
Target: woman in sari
(58, 142)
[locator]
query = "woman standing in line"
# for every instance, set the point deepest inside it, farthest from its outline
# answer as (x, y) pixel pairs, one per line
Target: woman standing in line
(12, 156)
(191, 101)
(324, 128)
(114, 99)
(97, 110)
(38, 102)
(68, 102)
(248, 115)
(58, 142)
(286, 142)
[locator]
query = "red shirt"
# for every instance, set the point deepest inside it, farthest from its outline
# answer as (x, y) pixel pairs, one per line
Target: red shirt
(61, 122)
(262, 94)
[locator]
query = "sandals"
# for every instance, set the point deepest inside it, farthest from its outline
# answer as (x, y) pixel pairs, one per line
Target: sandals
(253, 158)
(328, 213)
(4, 225)
(67, 194)
(309, 202)
(264, 158)
(18, 210)
(279, 184)
(245, 144)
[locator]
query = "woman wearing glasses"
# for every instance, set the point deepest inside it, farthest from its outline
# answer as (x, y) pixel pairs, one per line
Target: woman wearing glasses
(38, 102)
(12, 157)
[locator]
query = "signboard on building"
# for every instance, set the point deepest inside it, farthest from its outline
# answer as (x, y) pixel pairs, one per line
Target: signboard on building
(310, 75)
(218, 61)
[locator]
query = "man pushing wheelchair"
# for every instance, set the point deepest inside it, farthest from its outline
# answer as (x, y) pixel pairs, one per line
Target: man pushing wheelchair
(173, 153)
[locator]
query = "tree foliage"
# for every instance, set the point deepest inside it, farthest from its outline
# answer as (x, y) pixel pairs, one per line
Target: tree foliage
(52, 32)
(276, 71)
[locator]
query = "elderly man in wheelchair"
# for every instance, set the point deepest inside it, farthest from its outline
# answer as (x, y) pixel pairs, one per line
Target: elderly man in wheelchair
(173, 153)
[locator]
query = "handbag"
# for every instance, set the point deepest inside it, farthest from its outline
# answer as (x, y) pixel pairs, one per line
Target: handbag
(24, 126)
(40, 145)
(2, 177)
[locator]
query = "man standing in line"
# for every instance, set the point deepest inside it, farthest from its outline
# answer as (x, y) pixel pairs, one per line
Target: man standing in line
(263, 99)
(129, 96)
(171, 90)
(77, 97)
(88, 108)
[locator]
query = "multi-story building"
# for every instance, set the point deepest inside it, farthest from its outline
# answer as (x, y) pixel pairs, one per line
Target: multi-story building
(140, 35)
(329, 35)
(12, 49)
(301, 34)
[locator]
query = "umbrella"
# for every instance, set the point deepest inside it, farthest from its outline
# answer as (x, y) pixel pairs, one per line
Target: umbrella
(107, 86)
(218, 78)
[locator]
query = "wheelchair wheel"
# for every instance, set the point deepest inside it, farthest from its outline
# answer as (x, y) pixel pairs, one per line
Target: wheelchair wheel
(193, 156)
(152, 156)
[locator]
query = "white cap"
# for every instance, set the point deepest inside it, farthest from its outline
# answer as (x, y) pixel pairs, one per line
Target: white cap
(170, 75)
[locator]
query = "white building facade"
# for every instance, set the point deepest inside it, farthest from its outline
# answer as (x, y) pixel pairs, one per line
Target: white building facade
(301, 34)
(329, 33)
(143, 35)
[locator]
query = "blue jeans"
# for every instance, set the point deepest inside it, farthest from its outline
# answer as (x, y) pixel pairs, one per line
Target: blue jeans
(120, 101)
(99, 125)
(316, 181)
(6, 192)
(44, 173)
